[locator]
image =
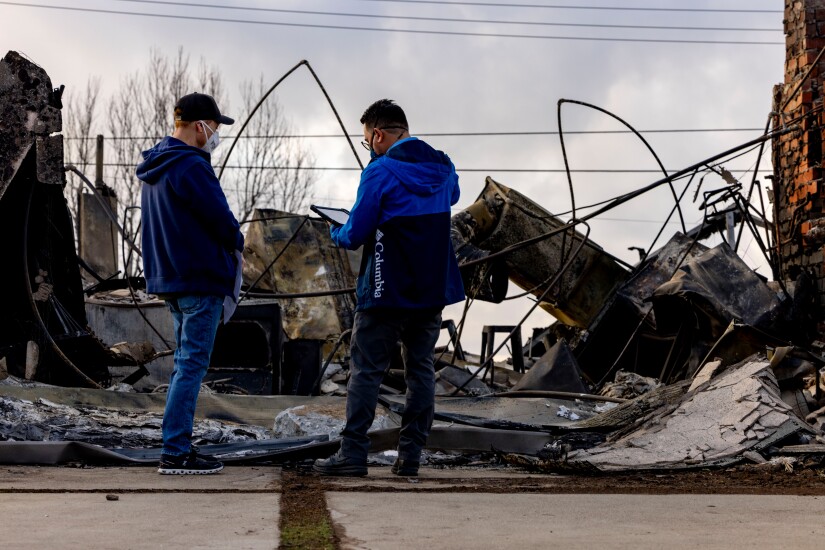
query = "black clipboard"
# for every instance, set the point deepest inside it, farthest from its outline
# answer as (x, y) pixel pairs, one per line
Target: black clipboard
(337, 216)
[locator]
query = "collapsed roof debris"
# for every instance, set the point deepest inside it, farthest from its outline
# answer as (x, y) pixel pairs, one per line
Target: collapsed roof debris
(680, 361)
(715, 424)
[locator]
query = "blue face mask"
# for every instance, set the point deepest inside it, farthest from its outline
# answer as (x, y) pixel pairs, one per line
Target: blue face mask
(373, 154)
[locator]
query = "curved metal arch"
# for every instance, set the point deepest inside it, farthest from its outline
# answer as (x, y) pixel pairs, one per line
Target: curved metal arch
(629, 127)
(305, 63)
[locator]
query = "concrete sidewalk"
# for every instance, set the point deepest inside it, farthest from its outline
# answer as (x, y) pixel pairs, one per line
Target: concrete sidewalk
(68, 508)
(46, 507)
(524, 521)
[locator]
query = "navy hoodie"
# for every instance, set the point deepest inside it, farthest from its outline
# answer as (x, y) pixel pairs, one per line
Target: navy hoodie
(189, 234)
(402, 218)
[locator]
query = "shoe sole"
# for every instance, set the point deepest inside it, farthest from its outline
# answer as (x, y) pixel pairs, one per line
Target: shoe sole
(404, 471)
(343, 472)
(185, 472)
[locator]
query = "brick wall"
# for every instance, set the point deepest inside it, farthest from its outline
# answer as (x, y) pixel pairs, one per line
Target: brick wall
(797, 156)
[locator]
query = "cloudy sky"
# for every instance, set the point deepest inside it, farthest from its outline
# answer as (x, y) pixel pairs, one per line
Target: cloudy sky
(466, 67)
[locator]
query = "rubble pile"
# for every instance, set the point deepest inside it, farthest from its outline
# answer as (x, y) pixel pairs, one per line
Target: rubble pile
(716, 423)
(687, 359)
(45, 420)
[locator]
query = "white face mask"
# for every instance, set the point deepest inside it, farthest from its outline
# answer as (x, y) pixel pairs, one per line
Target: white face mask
(212, 141)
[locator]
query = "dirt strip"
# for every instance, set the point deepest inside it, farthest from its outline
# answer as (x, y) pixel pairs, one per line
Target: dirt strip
(734, 481)
(305, 519)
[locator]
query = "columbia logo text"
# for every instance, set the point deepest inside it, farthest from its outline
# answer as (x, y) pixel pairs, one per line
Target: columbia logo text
(379, 259)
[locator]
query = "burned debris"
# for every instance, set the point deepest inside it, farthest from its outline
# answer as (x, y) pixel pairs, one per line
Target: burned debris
(43, 325)
(687, 358)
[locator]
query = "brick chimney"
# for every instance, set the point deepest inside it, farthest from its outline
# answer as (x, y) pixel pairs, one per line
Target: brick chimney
(797, 156)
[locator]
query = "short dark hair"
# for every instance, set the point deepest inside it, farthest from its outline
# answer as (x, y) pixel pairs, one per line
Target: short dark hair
(383, 113)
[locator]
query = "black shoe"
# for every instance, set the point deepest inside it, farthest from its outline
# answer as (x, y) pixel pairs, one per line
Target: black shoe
(194, 450)
(406, 468)
(189, 464)
(340, 465)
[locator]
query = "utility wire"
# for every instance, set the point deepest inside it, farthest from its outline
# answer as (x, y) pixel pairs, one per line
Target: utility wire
(386, 30)
(458, 169)
(563, 7)
(449, 134)
(448, 19)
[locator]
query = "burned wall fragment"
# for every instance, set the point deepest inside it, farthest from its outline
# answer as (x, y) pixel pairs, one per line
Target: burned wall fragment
(40, 285)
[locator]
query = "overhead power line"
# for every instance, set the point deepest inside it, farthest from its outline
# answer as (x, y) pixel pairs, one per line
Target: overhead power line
(451, 134)
(449, 19)
(458, 169)
(566, 7)
(386, 30)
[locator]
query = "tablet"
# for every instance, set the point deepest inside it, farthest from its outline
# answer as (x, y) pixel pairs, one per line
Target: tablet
(338, 216)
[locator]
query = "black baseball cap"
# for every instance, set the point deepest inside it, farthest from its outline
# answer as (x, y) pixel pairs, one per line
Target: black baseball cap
(195, 106)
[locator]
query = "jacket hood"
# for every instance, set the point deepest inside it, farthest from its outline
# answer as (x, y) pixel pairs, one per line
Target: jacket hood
(158, 160)
(421, 169)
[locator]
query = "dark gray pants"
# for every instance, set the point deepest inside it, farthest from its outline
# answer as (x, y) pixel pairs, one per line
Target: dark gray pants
(375, 338)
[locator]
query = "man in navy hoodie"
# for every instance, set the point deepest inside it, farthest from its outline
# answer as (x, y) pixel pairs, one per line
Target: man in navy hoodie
(408, 274)
(190, 238)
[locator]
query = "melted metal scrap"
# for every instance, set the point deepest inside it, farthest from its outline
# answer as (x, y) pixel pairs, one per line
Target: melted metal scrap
(311, 263)
(628, 316)
(501, 217)
(716, 287)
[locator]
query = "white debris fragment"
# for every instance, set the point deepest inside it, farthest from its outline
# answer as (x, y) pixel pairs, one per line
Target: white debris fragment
(782, 463)
(122, 388)
(707, 372)
(53, 405)
(604, 407)
(332, 370)
(628, 385)
(564, 412)
(323, 419)
(328, 386)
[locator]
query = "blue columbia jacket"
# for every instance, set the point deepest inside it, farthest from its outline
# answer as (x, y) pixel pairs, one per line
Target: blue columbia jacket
(189, 233)
(402, 218)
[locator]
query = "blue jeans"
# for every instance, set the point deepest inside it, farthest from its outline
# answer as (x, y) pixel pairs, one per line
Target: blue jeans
(375, 337)
(196, 320)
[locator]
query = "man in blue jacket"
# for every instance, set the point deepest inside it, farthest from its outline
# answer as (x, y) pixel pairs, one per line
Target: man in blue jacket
(189, 241)
(408, 274)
